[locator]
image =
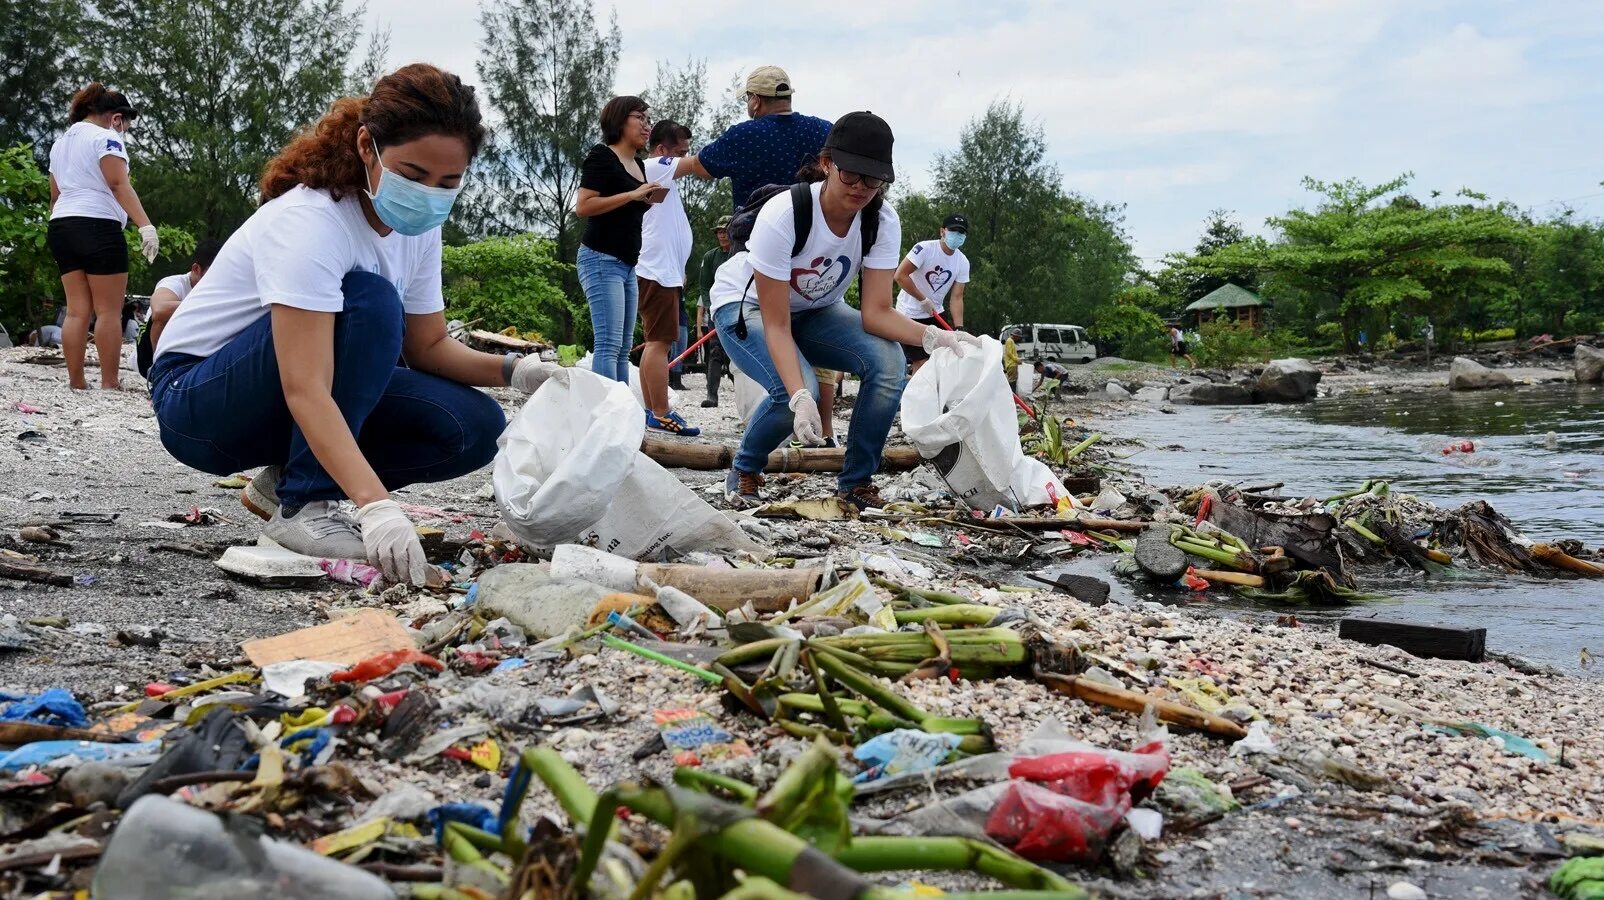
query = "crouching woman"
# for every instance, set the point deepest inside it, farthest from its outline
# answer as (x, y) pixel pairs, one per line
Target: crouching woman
(317, 347)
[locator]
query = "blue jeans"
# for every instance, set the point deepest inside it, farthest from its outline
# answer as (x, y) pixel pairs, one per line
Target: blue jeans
(677, 348)
(614, 297)
(226, 413)
(832, 337)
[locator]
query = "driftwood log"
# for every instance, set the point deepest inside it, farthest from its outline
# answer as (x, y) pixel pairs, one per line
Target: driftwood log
(1426, 641)
(680, 454)
(1131, 701)
(491, 342)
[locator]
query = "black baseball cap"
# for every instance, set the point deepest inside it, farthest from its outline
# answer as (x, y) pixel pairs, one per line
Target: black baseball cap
(956, 222)
(861, 142)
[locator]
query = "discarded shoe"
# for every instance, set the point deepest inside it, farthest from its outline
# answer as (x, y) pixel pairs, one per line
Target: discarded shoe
(321, 530)
(741, 489)
(260, 496)
(672, 424)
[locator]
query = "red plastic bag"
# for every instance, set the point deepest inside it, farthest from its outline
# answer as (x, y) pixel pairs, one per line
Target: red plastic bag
(1095, 775)
(1045, 826)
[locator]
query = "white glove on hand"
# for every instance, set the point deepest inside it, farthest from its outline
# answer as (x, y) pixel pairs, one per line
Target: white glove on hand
(805, 412)
(531, 372)
(392, 543)
(928, 304)
(955, 341)
(149, 242)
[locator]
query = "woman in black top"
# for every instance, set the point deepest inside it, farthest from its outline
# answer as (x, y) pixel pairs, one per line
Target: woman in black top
(613, 196)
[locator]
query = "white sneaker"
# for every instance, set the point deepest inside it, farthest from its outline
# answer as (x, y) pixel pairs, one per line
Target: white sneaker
(321, 530)
(261, 494)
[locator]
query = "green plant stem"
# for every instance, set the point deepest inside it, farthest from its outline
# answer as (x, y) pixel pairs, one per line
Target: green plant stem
(794, 784)
(619, 643)
(813, 704)
(754, 651)
(1224, 557)
(1364, 532)
(951, 854)
(958, 614)
(870, 689)
(1078, 448)
(832, 711)
(701, 779)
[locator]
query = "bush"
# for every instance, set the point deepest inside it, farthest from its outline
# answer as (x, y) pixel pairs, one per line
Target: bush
(1127, 330)
(29, 282)
(1329, 332)
(508, 282)
(1226, 343)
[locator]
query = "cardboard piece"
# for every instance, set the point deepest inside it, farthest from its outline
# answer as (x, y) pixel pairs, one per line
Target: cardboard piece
(347, 641)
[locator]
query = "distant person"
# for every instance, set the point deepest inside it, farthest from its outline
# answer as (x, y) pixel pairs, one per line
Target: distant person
(614, 195)
(780, 305)
(665, 248)
(931, 272)
(164, 300)
(1429, 336)
(770, 147)
(712, 351)
(285, 355)
(91, 201)
(1178, 348)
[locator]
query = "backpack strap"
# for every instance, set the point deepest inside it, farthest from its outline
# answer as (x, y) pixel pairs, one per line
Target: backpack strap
(801, 216)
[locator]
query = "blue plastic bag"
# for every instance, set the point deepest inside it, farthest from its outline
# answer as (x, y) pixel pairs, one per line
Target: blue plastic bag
(56, 706)
(902, 751)
(40, 752)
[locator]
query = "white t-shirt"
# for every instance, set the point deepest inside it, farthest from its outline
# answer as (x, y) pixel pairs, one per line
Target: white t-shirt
(822, 273)
(935, 272)
(294, 251)
(178, 284)
(665, 234)
(75, 163)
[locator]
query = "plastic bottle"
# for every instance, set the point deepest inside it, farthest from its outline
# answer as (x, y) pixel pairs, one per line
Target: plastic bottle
(167, 850)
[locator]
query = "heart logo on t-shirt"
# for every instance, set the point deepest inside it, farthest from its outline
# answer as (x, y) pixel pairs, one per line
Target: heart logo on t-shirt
(937, 278)
(821, 277)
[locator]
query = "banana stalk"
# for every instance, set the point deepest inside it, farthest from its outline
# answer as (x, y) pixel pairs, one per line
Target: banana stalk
(956, 615)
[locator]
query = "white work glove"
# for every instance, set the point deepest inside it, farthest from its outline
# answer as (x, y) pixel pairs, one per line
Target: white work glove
(149, 242)
(531, 372)
(392, 543)
(955, 341)
(805, 412)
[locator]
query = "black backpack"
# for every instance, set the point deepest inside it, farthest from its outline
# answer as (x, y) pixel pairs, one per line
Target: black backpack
(740, 228)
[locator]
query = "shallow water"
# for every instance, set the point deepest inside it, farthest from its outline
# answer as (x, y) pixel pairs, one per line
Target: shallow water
(1550, 488)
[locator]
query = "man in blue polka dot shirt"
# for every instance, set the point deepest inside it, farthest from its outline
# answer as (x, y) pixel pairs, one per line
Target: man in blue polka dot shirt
(767, 149)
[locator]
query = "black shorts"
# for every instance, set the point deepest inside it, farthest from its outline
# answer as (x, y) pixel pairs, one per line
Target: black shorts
(1178, 349)
(914, 354)
(89, 245)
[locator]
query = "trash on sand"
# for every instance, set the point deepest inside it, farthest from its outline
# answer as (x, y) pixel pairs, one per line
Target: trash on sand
(1190, 794)
(1257, 741)
(533, 600)
(383, 664)
(288, 678)
(347, 571)
(695, 738)
(902, 751)
(347, 640)
(56, 706)
(1514, 743)
(164, 848)
(41, 753)
(1147, 823)
(271, 566)
(832, 509)
(724, 589)
(1042, 824)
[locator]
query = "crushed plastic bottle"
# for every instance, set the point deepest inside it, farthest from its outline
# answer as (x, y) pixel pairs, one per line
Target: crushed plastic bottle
(167, 850)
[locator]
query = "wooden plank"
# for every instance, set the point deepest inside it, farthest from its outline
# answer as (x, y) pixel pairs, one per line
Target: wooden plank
(675, 453)
(1427, 641)
(347, 640)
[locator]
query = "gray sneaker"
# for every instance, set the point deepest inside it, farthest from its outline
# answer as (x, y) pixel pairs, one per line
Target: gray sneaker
(322, 530)
(261, 495)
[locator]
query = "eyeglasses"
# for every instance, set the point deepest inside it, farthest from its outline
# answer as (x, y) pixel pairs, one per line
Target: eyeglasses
(645, 119)
(851, 178)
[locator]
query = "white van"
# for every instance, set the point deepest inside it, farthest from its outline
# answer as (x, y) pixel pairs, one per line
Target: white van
(1052, 343)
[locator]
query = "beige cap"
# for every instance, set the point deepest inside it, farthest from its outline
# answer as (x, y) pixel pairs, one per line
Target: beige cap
(768, 81)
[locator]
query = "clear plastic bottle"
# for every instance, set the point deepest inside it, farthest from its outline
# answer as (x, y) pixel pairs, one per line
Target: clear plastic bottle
(167, 850)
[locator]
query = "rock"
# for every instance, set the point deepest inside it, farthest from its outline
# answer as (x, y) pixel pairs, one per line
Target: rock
(1114, 391)
(1589, 364)
(1150, 393)
(1210, 394)
(1158, 557)
(1403, 890)
(1288, 381)
(1469, 375)
(93, 782)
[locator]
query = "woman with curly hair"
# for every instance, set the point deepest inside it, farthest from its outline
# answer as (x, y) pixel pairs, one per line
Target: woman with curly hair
(91, 201)
(286, 355)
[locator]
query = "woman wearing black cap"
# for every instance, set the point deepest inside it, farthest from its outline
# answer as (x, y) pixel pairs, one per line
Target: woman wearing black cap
(91, 202)
(780, 308)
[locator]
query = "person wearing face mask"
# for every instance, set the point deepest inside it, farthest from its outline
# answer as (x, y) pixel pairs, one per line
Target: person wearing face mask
(779, 305)
(614, 194)
(285, 355)
(932, 278)
(91, 201)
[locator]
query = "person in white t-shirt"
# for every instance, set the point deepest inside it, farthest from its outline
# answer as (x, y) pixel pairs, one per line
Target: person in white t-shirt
(665, 248)
(286, 354)
(932, 278)
(164, 300)
(780, 313)
(91, 201)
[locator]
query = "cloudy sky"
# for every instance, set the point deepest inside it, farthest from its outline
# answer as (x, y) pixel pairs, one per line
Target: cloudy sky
(1170, 108)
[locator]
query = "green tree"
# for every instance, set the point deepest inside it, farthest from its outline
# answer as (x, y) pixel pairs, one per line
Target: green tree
(1128, 327)
(511, 281)
(1566, 275)
(1220, 230)
(27, 272)
(547, 69)
(39, 61)
(221, 86)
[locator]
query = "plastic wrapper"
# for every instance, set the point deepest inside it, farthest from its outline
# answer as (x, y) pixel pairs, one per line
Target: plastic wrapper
(1043, 825)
